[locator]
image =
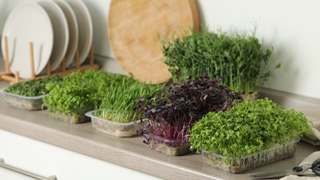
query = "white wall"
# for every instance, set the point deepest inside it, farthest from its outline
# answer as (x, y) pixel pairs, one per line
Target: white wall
(291, 26)
(99, 10)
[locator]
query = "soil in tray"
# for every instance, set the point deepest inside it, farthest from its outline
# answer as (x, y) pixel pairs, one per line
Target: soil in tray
(70, 118)
(114, 129)
(164, 148)
(29, 104)
(238, 166)
(250, 97)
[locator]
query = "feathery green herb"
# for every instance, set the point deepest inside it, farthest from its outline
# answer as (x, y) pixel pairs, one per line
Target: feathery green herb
(247, 128)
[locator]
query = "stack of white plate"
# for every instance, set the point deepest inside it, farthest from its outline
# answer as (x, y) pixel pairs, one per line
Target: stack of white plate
(55, 27)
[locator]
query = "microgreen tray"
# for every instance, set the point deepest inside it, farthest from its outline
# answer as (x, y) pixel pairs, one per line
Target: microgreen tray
(23, 102)
(238, 165)
(168, 146)
(75, 117)
(113, 128)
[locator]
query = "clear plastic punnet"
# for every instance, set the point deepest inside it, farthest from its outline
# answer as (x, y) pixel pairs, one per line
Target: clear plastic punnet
(251, 161)
(168, 146)
(24, 102)
(113, 128)
(75, 117)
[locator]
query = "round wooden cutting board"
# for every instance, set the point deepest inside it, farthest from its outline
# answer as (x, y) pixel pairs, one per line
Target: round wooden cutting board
(134, 28)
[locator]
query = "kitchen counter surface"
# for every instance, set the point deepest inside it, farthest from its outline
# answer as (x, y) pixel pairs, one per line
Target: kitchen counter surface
(126, 152)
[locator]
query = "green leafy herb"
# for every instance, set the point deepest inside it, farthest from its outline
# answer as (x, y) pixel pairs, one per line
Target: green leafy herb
(81, 90)
(35, 87)
(92, 89)
(234, 55)
(69, 98)
(247, 128)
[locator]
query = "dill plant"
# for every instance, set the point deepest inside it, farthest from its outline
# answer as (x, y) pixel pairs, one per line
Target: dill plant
(237, 56)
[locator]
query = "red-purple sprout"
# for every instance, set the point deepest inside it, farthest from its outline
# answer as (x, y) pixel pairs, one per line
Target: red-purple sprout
(172, 114)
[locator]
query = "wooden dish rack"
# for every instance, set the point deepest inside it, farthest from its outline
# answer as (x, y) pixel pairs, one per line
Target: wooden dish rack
(14, 78)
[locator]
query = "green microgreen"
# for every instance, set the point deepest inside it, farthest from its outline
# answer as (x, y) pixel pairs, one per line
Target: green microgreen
(119, 101)
(35, 87)
(82, 90)
(114, 94)
(237, 56)
(247, 128)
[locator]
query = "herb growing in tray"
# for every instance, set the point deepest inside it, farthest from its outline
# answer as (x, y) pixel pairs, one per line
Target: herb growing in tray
(237, 56)
(28, 94)
(172, 114)
(249, 135)
(79, 93)
(116, 115)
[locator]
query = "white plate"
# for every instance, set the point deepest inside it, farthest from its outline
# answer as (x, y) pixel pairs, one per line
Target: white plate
(60, 30)
(85, 27)
(73, 30)
(28, 22)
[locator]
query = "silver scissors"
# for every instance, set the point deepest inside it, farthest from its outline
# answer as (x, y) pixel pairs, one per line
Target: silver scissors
(298, 170)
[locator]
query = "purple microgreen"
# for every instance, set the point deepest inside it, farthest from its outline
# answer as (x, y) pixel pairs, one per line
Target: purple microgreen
(172, 114)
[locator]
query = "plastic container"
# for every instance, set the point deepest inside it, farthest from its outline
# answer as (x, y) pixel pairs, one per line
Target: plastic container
(238, 165)
(113, 128)
(24, 102)
(75, 117)
(168, 146)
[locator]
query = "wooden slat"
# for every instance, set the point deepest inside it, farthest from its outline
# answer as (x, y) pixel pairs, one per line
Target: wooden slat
(6, 54)
(82, 69)
(17, 78)
(91, 55)
(77, 58)
(48, 68)
(5, 73)
(8, 78)
(63, 65)
(32, 61)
